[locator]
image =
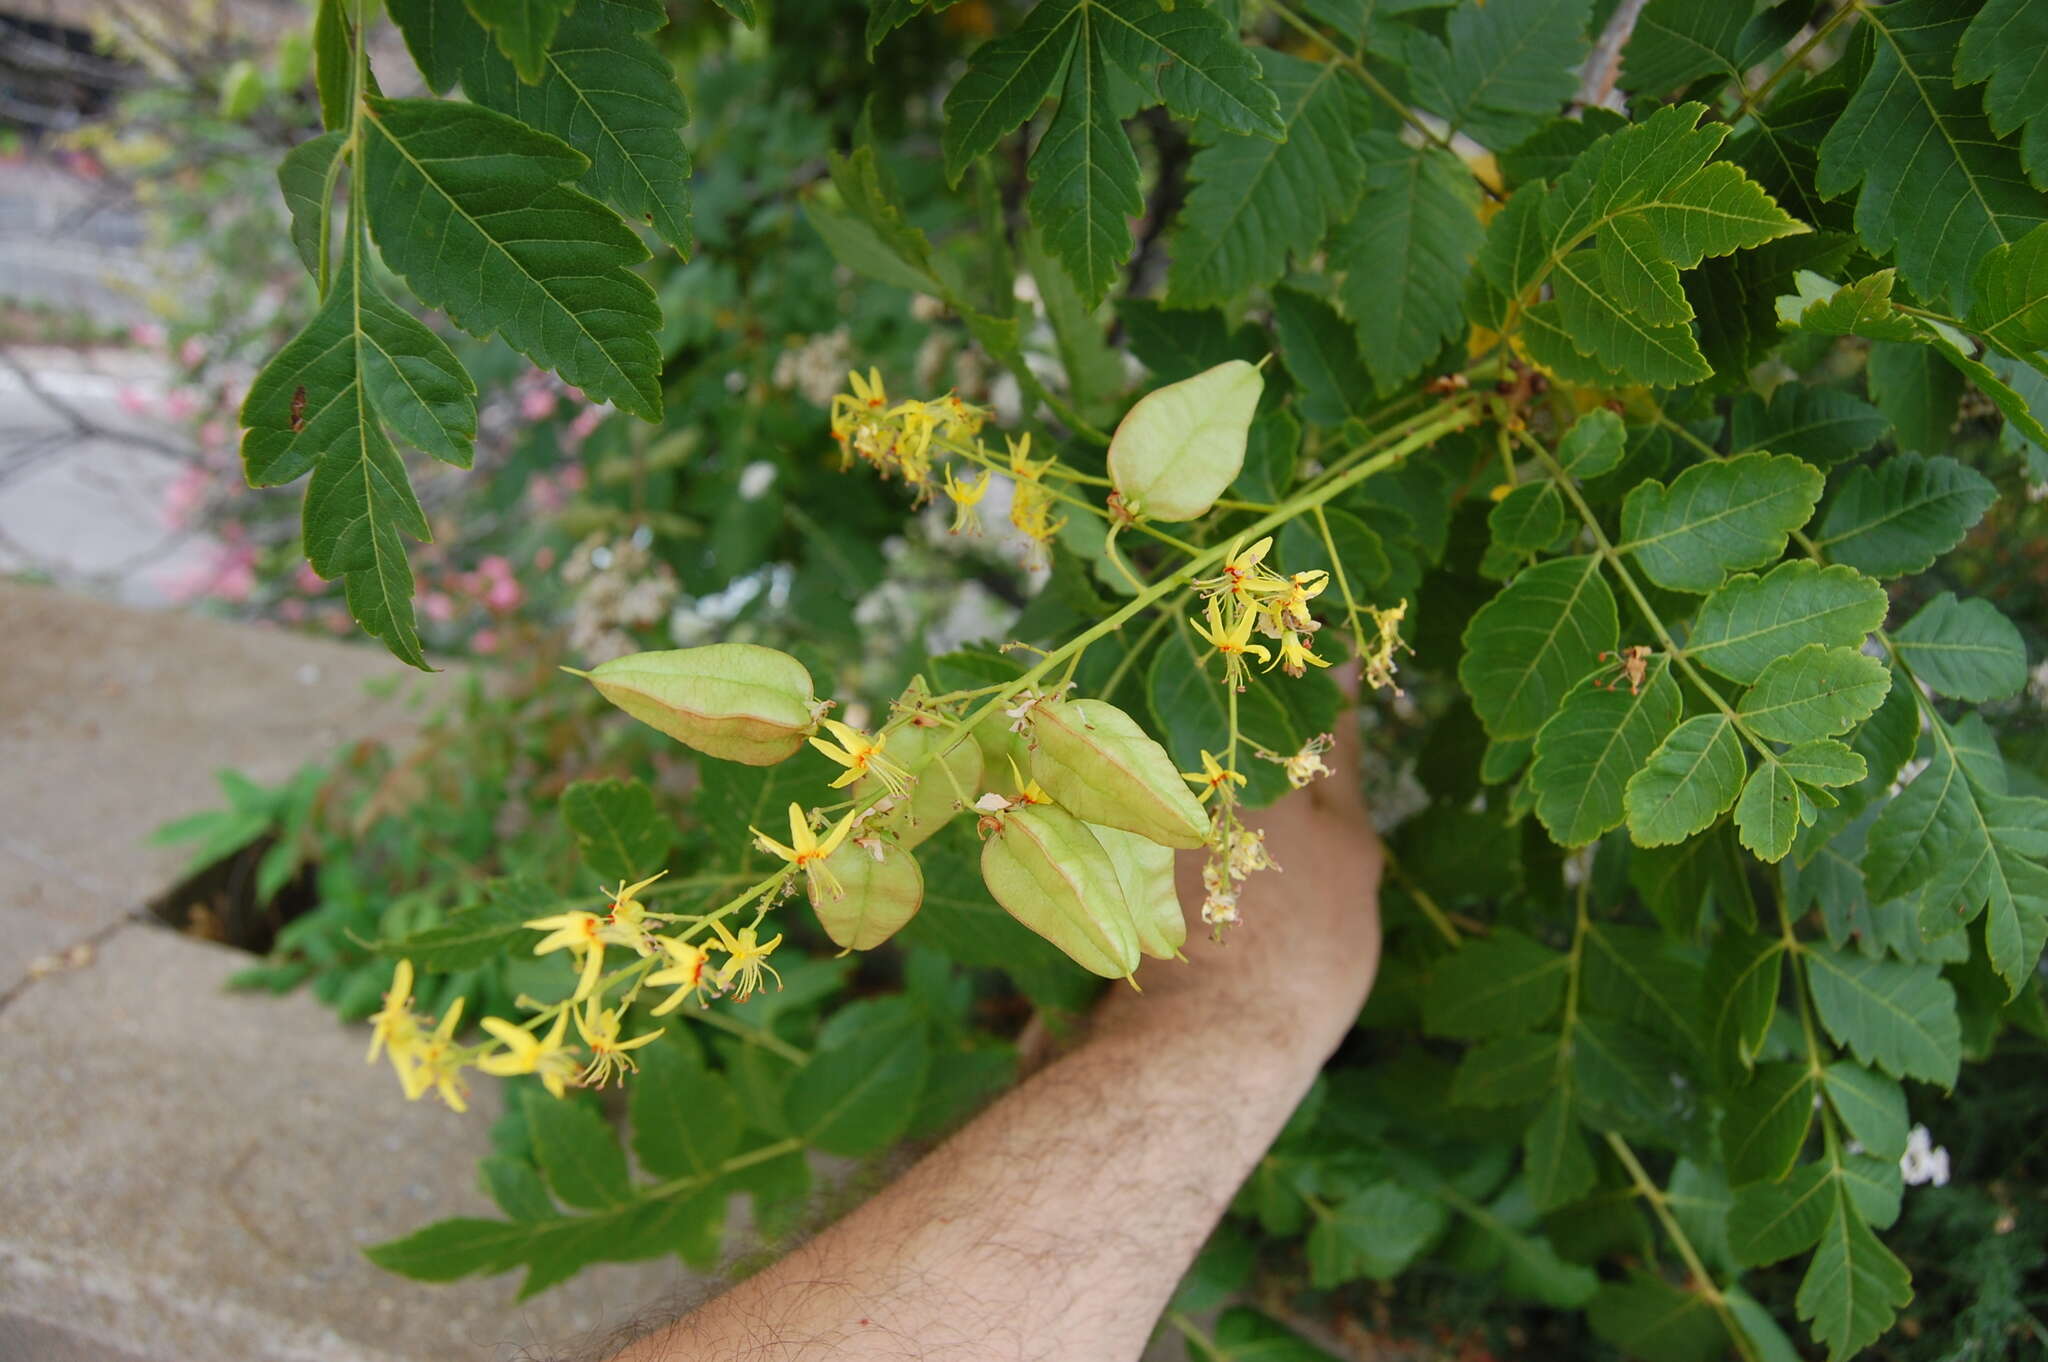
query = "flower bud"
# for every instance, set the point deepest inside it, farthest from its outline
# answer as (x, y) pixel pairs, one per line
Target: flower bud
(1050, 872)
(1181, 445)
(734, 701)
(1096, 763)
(1144, 870)
(879, 894)
(935, 798)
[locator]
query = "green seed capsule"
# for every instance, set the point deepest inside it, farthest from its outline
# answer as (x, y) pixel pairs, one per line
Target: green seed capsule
(734, 701)
(1004, 756)
(880, 895)
(935, 798)
(1050, 872)
(1096, 763)
(1182, 444)
(1144, 869)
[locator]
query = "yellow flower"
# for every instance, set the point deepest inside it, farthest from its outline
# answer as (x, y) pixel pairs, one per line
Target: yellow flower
(963, 421)
(1295, 658)
(628, 922)
(966, 520)
(1378, 662)
(440, 1064)
(807, 852)
(686, 973)
(1289, 607)
(747, 956)
(869, 393)
(524, 1054)
(610, 1057)
(1242, 575)
(1021, 467)
(861, 755)
(1211, 777)
(1233, 641)
(1031, 512)
(394, 1027)
(582, 935)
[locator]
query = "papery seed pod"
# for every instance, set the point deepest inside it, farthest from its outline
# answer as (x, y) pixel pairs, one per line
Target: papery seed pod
(881, 894)
(934, 799)
(1096, 763)
(1005, 759)
(1144, 870)
(1050, 872)
(735, 701)
(1181, 445)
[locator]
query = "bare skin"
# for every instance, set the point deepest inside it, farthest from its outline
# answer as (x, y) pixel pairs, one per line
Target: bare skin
(1056, 1225)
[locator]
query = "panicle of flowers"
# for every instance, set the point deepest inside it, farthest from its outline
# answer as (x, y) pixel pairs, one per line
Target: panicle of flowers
(1377, 661)
(1031, 502)
(1246, 594)
(1305, 765)
(897, 439)
(1236, 852)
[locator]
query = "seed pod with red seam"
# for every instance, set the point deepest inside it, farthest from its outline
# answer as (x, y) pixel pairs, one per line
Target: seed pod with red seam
(1144, 870)
(1097, 764)
(1050, 872)
(735, 701)
(881, 893)
(941, 780)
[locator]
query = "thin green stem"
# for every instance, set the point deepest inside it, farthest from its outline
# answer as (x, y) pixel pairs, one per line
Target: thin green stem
(1660, 1206)
(1754, 99)
(1123, 664)
(691, 1181)
(753, 1035)
(1431, 909)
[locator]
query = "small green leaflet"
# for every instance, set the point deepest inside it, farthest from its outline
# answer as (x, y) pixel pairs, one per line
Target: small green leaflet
(1528, 518)
(1770, 812)
(619, 832)
(1375, 1232)
(1751, 621)
(524, 29)
(1594, 445)
(1647, 1316)
(1186, 57)
(1816, 692)
(854, 1098)
(577, 1151)
(1555, 1161)
(1689, 781)
(1255, 200)
(1596, 742)
(1966, 650)
(2003, 47)
(329, 403)
(470, 206)
(1766, 1123)
(1854, 1287)
(2009, 306)
(1505, 983)
(686, 1120)
(1322, 354)
(1770, 1221)
(1900, 1017)
(1938, 190)
(1895, 518)
(1871, 1106)
(1405, 254)
(1503, 68)
(1677, 41)
(1531, 643)
(303, 176)
(1717, 518)
(1506, 1071)
(1823, 426)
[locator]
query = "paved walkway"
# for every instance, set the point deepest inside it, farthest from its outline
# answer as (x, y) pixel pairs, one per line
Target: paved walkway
(187, 1173)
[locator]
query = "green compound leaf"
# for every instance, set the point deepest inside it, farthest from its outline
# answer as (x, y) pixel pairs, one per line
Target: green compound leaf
(1677, 41)
(1741, 995)
(1895, 518)
(1752, 621)
(619, 831)
(1322, 355)
(1689, 781)
(1505, 1071)
(606, 90)
(1854, 1287)
(1964, 649)
(1528, 518)
(686, 1120)
(1502, 68)
(1375, 1232)
(1084, 175)
(1405, 254)
(1766, 1123)
(329, 402)
(1718, 518)
(1255, 200)
(1872, 1106)
(1771, 1221)
(470, 207)
(451, 1249)
(1820, 425)
(1647, 1316)
(2003, 47)
(1816, 692)
(1900, 1017)
(1771, 812)
(1505, 983)
(856, 1097)
(1589, 750)
(524, 29)
(1531, 643)
(477, 934)
(576, 1150)
(1938, 190)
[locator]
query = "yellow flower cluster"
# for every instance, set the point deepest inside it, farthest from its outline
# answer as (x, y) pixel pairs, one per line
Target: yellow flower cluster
(425, 1053)
(1246, 594)
(898, 439)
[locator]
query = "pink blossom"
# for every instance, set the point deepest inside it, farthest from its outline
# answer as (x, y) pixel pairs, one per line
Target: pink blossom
(148, 335)
(574, 477)
(438, 606)
(546, 494)
(214, 434)
(505, 594)
(538, 404)
(307, 581)
(496, 566)
(291, 610)
(192, 352)
(587, 420)
(543, 558)
(184, 496)
(484, 641)
(134, 401)
(181, 404)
